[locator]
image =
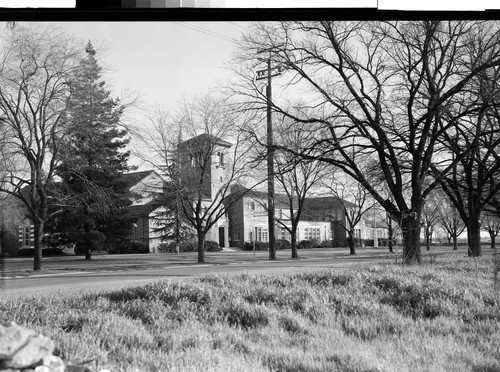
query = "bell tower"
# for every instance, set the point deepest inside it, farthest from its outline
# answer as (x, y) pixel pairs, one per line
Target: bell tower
(205, 166)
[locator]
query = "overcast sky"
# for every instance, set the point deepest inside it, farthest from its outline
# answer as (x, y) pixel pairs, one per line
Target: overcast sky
(162, 61)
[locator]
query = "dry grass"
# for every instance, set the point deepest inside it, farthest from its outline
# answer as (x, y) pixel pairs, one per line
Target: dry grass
(435, 317)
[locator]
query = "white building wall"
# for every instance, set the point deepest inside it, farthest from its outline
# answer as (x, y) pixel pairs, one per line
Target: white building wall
(256, 219)
(304, 230)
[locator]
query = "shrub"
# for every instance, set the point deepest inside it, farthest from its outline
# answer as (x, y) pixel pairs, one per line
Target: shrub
(327, 243)
(264, 246)
(369, 243)
(283, 244)
(188, 246)
(130, 248)
(305, 244)
(30, 252)
(211, 246)
(259, 246)
(358, 242)
(316, 243)
(138, 247)
(164, 248)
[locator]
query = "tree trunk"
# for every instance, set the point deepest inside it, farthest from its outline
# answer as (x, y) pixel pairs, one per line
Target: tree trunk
(390, 236)
(88, 250)
(87, 241)
(427, 238)
(474, 236)
(293, 243)
(38, 235)
(410, 226)
(177, 228)
(455, 242)
(201, 247)
(351, 243)
(493, 237)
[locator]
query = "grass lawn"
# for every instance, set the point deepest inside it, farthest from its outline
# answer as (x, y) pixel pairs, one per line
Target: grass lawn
(439, 316)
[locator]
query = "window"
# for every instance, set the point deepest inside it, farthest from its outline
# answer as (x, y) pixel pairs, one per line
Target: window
(284, 234)
(251, 206)
(236, 236)
(221, 158)
(250, 236)
(27, 235)
(357, 233)
(312, 233)
(262, 234)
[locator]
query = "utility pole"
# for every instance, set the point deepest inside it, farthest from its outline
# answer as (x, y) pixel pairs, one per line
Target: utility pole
(268, 74)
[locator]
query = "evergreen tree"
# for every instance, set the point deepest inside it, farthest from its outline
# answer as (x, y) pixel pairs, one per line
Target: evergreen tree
(94, 157)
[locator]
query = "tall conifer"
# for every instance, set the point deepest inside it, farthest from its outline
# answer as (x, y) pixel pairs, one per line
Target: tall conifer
(94, 156)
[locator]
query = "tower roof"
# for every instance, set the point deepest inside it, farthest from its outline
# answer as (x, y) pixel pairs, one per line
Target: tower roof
(207, 137)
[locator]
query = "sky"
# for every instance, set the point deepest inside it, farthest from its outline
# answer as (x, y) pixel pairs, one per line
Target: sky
(159, 62)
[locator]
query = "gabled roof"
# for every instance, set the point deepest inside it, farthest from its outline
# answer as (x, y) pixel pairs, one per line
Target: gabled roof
(133, 178)
(207, 137)
(282, 201)
(325, 202)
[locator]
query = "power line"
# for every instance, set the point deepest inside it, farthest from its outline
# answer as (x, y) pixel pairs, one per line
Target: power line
(207, 32)
(238, 25)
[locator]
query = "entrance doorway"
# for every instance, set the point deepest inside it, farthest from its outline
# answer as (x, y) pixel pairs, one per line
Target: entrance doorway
(221, 237)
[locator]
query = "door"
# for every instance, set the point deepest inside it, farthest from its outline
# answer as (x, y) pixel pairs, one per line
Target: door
(221, 237)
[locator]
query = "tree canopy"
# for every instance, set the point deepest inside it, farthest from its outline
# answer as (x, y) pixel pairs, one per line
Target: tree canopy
(374, 93)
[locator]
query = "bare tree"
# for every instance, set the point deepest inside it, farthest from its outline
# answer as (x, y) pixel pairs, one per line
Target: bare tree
(36, 65)
(475, 143)
(393, 231)
(355, 202)
(491, 224)
(431, 216)
(377, 90)
(451, 222)
(296, 177)
(204, 156)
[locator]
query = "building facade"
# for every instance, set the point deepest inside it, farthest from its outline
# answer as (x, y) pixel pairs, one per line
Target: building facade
(248, 220)
(16, 229)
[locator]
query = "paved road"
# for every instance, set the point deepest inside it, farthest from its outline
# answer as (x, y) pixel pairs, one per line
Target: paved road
(112, 272)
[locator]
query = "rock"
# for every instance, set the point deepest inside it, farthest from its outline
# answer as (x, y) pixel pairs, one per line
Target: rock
(31, 354)
(12, 338)
(21, 348)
